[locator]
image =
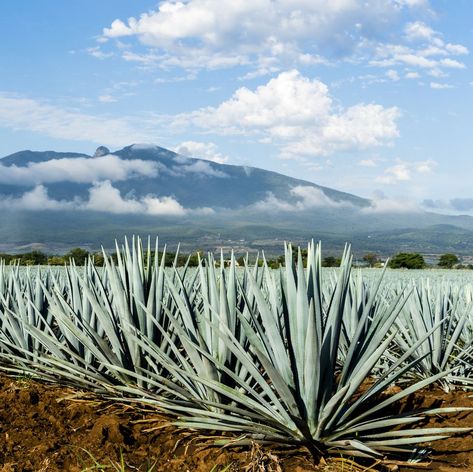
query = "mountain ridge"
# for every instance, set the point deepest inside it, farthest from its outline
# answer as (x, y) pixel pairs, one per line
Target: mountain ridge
(148, 189)
(254, 183)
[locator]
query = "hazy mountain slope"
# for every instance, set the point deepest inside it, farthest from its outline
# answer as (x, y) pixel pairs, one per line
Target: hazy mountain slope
(244, 207)
(193, 182)
(219, 185)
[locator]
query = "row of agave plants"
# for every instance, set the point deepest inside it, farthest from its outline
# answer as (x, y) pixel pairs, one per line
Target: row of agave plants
(299, 355)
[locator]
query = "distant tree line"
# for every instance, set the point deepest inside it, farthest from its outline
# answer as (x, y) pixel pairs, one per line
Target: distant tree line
(79, 256)
(413, 260)
(276, 262)
(402, 260)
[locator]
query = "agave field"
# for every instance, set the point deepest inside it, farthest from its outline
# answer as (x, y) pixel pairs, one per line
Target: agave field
(300, 356)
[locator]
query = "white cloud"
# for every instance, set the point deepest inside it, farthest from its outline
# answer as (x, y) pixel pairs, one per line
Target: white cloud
(77, 169)
(267, 36)
(273, 204)
(456, 49)
(281, 106)
(403, 171)
(452, 63)
(311, 197)
(423, 48)
(98, 53)
(103, 197)
(391, 205)
(439, 86)
(308, 197)
(207, 151)
(36, 199)
(298, 113)
(394, 174)
(19, 113)
(418, 30)
(224, 33)
(189, 59)
(358, 127)
(201, 168)
(424, 167)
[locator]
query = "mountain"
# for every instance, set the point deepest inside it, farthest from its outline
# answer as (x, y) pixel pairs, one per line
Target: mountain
(194, 183)
(59, 200)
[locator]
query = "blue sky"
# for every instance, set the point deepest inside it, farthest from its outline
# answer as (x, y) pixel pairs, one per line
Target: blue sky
(372, 97)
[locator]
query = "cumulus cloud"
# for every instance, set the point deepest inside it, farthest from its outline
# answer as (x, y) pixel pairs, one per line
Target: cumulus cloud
(21, 113)
(207, 151)
(419, 30)
(225, 33)
(265, 37)
(77, 169)
(103, 197)
(308, 197)
(404, 171)
(300, 114)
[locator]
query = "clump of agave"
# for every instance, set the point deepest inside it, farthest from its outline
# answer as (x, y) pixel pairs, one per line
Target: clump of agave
(283, 355)
(440, 318)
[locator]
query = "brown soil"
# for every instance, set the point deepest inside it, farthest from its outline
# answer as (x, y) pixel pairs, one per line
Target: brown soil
(456, 453)
(51, 428)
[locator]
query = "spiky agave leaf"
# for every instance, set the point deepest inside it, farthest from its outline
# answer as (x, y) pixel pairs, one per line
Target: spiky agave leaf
(439, 317)
(293, 389)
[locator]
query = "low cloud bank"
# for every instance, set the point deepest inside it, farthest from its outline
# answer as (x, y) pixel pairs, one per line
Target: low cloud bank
(77, 169)
(104, 197)
(308, 197)
(85, 170)
(456, 205)
(382, 204)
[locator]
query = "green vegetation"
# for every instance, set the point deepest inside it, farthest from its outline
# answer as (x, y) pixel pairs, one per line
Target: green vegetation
(406, 260)
(448, 260)
(297, 355)
(80, 256)
(331, 261)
